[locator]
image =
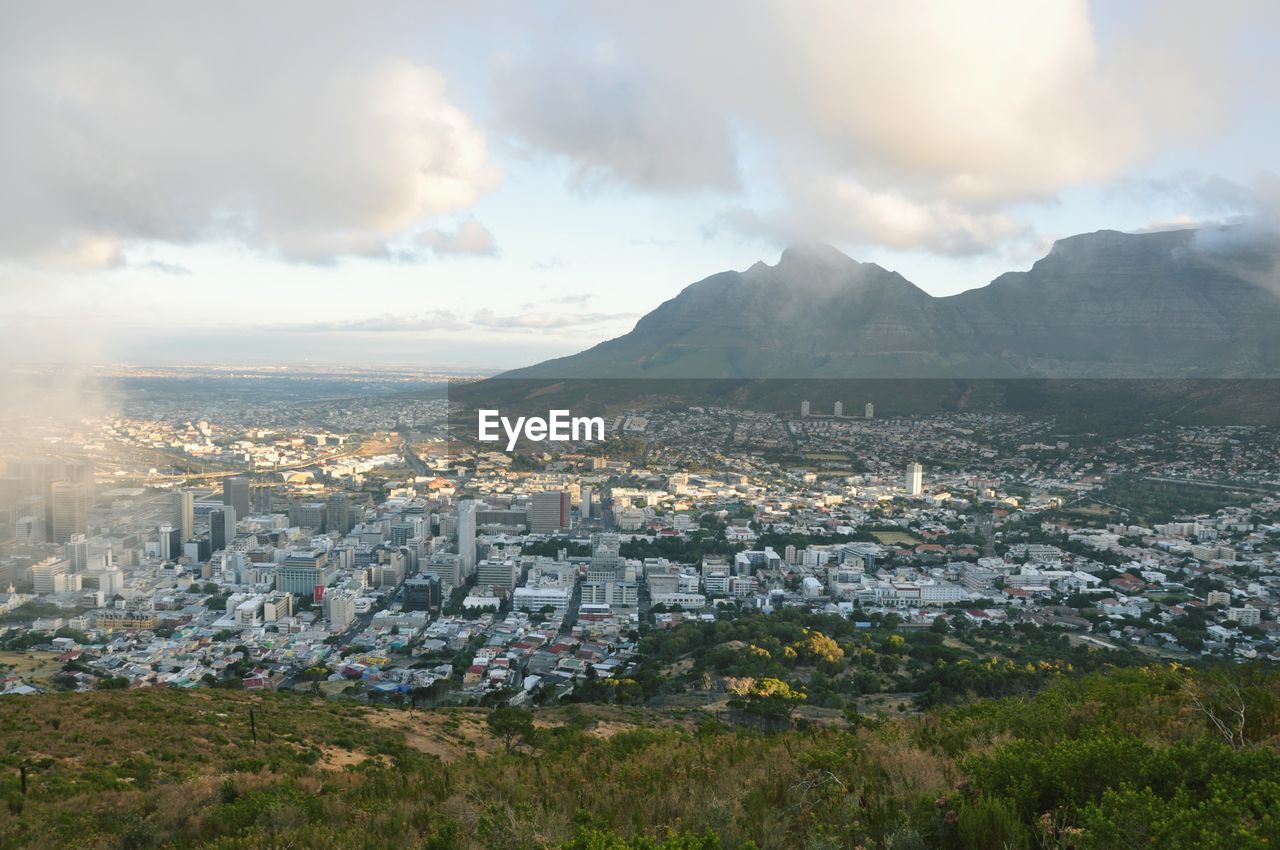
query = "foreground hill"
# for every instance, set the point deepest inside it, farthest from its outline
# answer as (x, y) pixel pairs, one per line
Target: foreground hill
(1147, 757)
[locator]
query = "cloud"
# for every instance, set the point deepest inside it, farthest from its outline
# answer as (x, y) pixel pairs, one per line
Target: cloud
(270, 128)
(929, 124)
(165, 268)
(618, 116)
(470, 237)
(846, 211)
(549, 264)
(545, 320)
(439, 321)
(577, 299)
(444, 320)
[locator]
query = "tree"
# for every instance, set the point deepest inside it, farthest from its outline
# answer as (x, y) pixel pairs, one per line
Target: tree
(511, 725)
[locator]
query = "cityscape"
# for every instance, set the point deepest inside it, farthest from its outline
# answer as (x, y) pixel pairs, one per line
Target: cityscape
(368, 564)
(740, 425)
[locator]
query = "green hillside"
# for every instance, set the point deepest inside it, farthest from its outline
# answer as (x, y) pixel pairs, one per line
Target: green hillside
(1159, 756)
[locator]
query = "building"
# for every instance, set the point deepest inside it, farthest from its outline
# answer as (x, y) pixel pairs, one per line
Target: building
(76, 551)
(235, 492)
(338, 513)
(261, 495)
(536, 598)
(340, 608)
(915, 479)
(170, 542)
(45, 575)
(498, 574)
(277, 606)
(421, 593)
(186, 514)
(467, 536)
(549, 512)
(1245, 616)
(222, 528)
(804, 408)
(68, 509)
(311, 515)
(869, 412)
(303, 571)
(839, 408)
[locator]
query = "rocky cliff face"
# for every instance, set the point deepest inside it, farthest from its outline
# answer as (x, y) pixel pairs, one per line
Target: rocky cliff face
(1107, 304)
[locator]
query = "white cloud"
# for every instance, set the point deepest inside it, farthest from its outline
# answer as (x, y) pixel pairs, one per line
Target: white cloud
(842, 210)
(528, 320)
(469, 237)
(928, 122)
(544, 320)
(258, 126)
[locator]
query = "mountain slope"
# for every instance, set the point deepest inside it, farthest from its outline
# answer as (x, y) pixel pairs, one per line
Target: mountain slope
(1174, 304)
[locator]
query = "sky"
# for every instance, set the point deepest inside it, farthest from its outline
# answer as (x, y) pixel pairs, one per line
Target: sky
(485, 185)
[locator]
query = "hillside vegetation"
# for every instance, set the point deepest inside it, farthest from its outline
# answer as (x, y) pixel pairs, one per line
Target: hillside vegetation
(1158, 756)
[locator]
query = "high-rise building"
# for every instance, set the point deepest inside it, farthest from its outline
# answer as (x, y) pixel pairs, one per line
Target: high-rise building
(839, 408)
(606, 562)
(235, 492)
(585, 509)
(338, 513)
(261, 497)
(549, 511)
(68, 509)
(28, 530)
(402, 533)
(196, 550)
(170, 542)
(421, 592)
(915, 479)
(303, 570)
(869, 412)
(186, 513)
(504, 574)
(222, 528)
(804, 408)
(339, 607)
(44, 575)
(467, 535)
(76, 551)
(311, 515)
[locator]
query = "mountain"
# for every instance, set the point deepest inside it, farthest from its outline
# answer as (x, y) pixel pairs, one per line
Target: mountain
(1173, 304)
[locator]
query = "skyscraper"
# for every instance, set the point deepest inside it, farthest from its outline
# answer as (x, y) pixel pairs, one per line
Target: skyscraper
(467, 535)
(869, 411)
(186, 514)
(915, 479)
(549, 511)
(170, 542)
(839, 408)
(76, 552)
(804, 408)
(262, 501)
(68, 509)
(338, 513)
(235, 492)
(222, 528)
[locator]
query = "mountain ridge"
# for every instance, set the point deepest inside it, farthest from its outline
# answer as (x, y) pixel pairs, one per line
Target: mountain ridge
(1169, 304)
